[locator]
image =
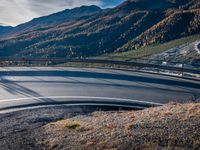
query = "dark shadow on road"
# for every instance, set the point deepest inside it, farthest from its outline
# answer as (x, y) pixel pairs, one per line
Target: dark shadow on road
(16, 89)
(89, 84)
(87, 74)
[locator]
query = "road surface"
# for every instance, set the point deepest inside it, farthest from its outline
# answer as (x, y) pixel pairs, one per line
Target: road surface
(26, 86)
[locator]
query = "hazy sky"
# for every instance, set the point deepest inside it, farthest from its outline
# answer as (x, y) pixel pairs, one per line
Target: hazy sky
(14, 12)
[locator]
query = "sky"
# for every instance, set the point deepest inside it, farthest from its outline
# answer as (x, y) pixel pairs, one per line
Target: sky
(14, 12)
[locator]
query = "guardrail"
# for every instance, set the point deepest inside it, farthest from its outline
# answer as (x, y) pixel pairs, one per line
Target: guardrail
(149, 65)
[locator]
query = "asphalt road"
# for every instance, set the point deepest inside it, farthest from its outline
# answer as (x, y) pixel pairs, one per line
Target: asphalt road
(40, 85)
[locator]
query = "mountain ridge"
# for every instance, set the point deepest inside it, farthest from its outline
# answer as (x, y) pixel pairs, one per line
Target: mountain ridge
(125, 27)
(53, 19)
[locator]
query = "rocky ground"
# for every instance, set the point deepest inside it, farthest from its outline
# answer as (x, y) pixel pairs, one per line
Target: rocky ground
(186, 52)
(173, 126)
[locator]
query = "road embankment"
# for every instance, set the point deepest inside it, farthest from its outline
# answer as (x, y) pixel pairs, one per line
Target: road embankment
(172, 126)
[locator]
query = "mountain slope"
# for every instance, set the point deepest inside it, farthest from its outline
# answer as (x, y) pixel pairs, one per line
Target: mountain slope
(54, 19)
(133, 24)
(4, 28)
(177, 25)
(179, 50)
(87, 36)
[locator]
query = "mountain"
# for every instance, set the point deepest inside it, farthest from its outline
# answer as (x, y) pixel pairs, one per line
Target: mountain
(53, 19)
(133, 24)
(4, 28)
(179, 24)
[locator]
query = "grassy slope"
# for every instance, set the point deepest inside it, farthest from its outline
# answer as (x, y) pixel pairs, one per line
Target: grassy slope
(174, 126)
(155, 49)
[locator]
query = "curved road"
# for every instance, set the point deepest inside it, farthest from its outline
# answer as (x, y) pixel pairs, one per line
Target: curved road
(40, 85)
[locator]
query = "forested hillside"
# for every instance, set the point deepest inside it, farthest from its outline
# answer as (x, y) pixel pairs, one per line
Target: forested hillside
(131, 25)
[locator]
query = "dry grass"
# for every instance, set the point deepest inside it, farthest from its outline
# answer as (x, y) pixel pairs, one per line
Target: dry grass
(72, 125)
(174, 126)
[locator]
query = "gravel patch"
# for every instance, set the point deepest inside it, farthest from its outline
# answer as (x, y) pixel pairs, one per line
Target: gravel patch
(20, 130)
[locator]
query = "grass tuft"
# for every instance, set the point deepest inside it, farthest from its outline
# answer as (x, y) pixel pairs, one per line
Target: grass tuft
(72, 125)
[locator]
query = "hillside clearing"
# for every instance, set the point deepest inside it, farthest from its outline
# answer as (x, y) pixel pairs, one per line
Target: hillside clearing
(154, 49)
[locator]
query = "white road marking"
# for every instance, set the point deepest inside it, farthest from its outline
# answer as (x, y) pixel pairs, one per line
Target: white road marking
(80, 97)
